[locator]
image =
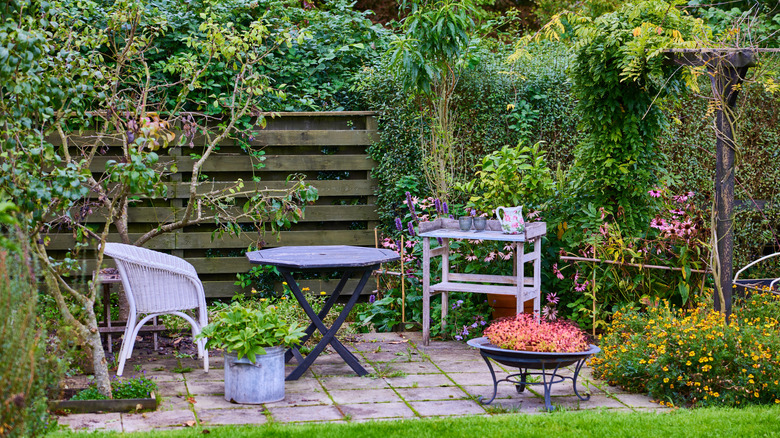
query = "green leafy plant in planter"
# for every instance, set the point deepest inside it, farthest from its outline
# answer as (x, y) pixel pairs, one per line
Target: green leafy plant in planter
(254, 340)
(136, 387)
(248, 332)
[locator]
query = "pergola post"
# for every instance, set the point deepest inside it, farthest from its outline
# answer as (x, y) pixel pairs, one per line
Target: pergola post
(727, 69)
(725, 79)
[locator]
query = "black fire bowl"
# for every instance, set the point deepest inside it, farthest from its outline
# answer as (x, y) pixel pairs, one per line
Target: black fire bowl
(546, 366)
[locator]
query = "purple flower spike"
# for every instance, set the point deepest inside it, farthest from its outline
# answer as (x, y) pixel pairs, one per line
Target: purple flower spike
(439, 239)
(371, 299)
(445, 208)
(437, 205)
(411, 229)
(398, 224)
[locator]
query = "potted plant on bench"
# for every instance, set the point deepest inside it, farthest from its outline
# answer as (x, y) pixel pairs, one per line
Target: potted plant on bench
(254, 343)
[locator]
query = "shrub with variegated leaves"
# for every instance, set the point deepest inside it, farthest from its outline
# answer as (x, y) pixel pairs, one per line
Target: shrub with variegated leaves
(523, 332)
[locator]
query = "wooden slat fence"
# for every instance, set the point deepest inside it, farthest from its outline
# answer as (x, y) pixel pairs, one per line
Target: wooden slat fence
(329, 148)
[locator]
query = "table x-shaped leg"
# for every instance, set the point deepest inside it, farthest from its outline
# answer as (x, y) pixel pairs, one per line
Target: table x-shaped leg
(293, 352)
(328, 334)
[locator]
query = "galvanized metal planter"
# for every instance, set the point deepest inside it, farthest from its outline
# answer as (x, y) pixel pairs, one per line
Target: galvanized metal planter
(548, 365)
(258, 382)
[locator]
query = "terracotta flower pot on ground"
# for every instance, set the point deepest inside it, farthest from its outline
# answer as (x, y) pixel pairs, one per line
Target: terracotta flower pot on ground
(505, 305)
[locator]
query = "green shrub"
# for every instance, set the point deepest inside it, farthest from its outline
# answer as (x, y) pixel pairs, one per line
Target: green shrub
(27, 374)
(509, 177)
(694, 357)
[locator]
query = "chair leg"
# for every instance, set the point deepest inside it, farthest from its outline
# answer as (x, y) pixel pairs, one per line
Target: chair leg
(127, 344)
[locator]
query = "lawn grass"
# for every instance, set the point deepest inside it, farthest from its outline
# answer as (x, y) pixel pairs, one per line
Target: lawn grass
(756, 421)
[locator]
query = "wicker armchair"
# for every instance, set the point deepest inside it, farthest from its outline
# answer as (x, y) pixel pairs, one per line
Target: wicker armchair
(157, 284)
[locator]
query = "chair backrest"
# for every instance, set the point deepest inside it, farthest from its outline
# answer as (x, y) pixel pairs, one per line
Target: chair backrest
(156, 282)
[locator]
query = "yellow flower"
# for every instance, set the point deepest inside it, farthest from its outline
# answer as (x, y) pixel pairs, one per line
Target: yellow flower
(323, 293)
(305, 289)
(254, 291)
(510, 107)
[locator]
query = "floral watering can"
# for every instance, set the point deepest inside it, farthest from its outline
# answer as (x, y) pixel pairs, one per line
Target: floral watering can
(511, 219)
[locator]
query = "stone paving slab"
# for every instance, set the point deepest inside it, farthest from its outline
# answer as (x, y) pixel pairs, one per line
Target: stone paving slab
(479, 378)
(206, 388)
(304, 399)
(351, 396)
(409, 381)
(637, 401)
(353, 382)
(174, 402)
(305, 413)
(398, 410)
(432, 393)
(444, 408)
(232, 416)
(302, 385)
(419, 380)
(415, 367)
(174, 387)
(157, 419)
(89, 422)
(215, 402)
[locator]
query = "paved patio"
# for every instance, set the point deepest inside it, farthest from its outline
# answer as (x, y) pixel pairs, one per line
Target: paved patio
(408, 380)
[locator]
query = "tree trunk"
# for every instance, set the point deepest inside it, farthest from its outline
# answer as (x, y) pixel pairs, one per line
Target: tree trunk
(99, 364)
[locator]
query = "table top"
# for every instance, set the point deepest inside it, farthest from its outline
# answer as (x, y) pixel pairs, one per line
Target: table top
(322, 257)
(533, 231)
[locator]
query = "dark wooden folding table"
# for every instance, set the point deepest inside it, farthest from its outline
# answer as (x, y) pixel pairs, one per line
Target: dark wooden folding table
(350, 260)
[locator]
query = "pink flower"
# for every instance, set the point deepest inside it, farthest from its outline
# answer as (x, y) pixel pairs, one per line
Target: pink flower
(655, 193)
(471, 257)
(557, 271)
(581, 287)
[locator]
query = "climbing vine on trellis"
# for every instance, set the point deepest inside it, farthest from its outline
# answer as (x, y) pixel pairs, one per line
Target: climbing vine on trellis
(620, 79)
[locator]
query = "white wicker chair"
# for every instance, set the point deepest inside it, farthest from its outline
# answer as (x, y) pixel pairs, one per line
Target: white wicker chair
(157, 284)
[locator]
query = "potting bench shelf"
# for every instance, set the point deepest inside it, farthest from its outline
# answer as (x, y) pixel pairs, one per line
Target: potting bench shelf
(518, 285)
